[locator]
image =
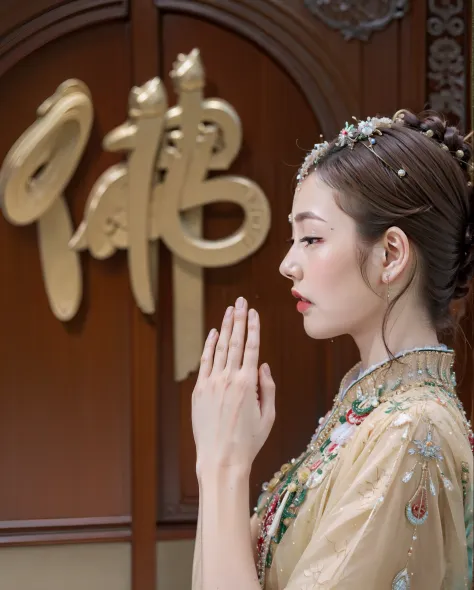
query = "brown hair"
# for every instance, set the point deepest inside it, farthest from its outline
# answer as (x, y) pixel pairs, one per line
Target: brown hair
(432, 204)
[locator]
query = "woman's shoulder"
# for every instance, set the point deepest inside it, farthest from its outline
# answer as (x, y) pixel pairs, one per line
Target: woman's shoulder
(440, 405)
(423, 399)
(421, 406)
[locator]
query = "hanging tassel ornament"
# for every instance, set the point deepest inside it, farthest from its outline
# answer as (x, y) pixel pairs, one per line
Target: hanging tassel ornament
(416, 509)
(401, 581)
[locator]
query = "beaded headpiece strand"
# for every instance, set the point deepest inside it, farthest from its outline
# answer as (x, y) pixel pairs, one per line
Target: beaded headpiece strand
(351, 134)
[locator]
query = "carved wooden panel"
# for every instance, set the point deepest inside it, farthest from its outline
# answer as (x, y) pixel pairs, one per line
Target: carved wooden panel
(65, 388)
(356, 21)
(448, 58)
(25, 26)
(274, 26)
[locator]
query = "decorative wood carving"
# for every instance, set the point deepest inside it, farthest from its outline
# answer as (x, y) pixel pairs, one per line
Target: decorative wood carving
(447, 49)
(27, 26)
(356, 19)
(274, 26)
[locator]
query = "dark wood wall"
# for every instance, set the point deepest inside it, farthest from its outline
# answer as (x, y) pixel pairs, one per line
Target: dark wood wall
(65, 387)
(95, 434)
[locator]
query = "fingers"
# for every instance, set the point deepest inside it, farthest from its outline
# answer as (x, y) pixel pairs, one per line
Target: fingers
(232, 352)
(208, 355)
(252, 346)
(236, 344)
(222, 348)
(267, 394)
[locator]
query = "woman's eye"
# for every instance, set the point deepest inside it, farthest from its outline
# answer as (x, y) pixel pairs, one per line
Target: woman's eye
(310, 241)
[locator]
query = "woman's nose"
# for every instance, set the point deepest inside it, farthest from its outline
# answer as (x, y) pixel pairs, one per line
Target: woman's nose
(290, 269)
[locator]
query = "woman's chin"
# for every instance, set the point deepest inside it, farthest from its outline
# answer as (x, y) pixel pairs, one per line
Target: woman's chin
(315, 330)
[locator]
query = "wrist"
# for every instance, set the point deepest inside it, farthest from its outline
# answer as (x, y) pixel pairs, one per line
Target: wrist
(211, 471)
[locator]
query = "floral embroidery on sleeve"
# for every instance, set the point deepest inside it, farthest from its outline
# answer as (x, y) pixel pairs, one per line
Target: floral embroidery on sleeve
(428, 455)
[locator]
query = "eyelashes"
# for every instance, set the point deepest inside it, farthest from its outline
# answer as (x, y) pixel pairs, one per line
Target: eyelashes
(308, 240)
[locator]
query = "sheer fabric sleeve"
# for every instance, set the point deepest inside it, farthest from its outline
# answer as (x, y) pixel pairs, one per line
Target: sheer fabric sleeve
(395, 517)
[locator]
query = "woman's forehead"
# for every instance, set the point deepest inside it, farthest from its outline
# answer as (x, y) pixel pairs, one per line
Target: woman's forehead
(314, 195)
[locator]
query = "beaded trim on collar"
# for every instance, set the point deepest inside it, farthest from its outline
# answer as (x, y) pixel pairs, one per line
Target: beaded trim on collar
(351, 379)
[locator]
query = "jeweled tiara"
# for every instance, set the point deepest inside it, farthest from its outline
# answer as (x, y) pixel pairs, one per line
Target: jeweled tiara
(348, 137)
(365, 132)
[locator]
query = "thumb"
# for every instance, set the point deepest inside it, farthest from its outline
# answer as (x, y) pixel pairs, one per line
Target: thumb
(267, 393)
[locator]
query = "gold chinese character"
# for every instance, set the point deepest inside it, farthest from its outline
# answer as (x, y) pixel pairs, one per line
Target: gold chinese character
(159, 193)
(33, 177)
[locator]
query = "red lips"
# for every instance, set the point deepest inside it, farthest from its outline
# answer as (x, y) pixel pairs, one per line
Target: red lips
(303, 304)
(295, 293)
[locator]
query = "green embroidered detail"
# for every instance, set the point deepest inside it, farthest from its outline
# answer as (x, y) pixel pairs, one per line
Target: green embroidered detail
(300, 498)
(324, 445)
(395, 406)
(269, 559)
(464, 478)
(360, 409)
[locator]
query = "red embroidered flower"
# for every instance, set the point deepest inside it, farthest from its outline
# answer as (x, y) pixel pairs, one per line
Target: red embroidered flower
(353, 418)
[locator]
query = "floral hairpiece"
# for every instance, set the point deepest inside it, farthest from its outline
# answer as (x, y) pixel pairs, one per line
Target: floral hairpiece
(312, 159)
(348, 137)
(351, 134)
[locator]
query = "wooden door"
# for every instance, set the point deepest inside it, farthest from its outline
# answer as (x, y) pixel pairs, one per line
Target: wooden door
(95, 439)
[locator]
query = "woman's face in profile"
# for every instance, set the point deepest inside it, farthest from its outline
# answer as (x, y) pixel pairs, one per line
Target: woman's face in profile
(323, 264)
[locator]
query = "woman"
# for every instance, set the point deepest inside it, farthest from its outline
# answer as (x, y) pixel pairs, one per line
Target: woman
(382, 225)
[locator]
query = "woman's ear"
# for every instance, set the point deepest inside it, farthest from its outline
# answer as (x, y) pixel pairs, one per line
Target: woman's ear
(396, 253)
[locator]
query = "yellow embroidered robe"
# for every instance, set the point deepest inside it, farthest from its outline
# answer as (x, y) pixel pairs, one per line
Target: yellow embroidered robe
(382, 497)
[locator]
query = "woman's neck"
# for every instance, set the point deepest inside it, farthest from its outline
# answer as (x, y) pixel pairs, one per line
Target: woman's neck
(403, 332)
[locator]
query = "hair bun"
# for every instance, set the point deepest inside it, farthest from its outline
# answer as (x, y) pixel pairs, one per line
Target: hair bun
(452, 140)
(435, 127)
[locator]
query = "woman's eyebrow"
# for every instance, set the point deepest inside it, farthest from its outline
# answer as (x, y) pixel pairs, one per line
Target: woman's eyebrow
(305, 215)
